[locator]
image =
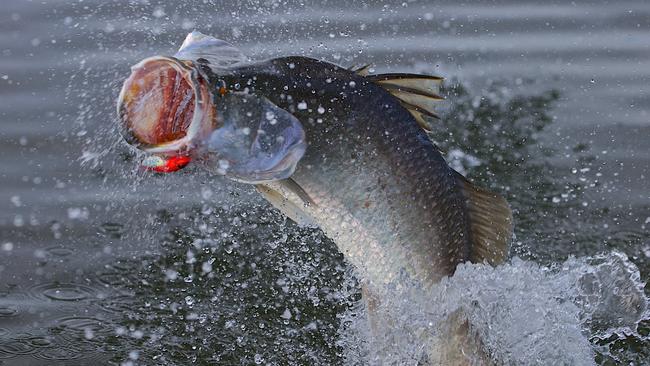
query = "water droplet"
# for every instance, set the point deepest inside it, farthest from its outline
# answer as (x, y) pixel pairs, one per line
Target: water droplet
(189, 300)
(16, 201)
(78, 213)
(158, 12)
(88, 333)
(134, 355)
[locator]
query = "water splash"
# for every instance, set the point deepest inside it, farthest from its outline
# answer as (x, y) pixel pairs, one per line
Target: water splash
(524, 313)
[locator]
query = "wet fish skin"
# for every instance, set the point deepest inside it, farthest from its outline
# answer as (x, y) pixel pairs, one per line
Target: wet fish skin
(379, 186)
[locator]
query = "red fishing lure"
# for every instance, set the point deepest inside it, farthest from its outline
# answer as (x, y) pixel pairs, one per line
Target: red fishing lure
(165, 164)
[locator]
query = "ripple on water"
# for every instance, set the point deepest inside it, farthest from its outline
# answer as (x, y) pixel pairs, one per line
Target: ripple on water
(15, 347)
(58, 251)
(60, 353)
(62, 292)
(83, 324)
(126, 265)
(117, 304)
(82, 333)
(7, 311)
(112, 229)
(39, 341)
(117, 279)
(68, 341)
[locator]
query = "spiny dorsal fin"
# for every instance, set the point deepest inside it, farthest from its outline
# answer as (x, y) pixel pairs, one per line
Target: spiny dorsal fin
(424, 84)
(422, 117)
(490, 223)
(361, 70)
(417, 93)
(419, 117)
(215, 51)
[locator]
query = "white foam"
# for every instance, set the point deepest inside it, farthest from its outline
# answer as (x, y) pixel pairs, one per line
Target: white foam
(524, 313)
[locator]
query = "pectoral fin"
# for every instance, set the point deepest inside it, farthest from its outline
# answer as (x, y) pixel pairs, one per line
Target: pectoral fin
(491, 223)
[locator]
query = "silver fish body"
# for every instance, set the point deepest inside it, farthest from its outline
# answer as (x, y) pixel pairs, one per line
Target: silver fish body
(374, 182)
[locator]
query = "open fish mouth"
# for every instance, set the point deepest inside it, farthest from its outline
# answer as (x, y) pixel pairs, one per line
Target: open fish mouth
(173, 109)
(163, 107)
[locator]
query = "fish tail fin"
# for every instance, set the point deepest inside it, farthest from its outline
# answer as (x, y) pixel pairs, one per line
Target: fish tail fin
(491, 223)
(417, 93)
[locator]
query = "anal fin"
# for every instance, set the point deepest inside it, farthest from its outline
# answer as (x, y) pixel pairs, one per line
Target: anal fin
(491, 223)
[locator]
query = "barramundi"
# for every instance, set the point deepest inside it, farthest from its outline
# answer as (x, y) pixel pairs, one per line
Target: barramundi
(336, 148)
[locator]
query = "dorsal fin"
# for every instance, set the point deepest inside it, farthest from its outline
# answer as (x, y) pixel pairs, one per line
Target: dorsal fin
(215, 51)
(361, 70)
(417, 93)
(491, 223)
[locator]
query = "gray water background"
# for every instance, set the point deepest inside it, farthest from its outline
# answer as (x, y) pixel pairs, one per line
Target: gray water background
(64, 226)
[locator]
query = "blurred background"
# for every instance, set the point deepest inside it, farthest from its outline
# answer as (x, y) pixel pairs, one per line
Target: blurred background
(101, 263)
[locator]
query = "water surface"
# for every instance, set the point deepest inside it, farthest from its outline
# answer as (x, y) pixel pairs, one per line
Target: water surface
(101, 265)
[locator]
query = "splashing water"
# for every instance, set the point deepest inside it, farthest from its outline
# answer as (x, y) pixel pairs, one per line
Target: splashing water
(524, 313)
(270, 292)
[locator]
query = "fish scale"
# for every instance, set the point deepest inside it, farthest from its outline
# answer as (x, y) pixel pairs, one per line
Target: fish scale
(403, 232)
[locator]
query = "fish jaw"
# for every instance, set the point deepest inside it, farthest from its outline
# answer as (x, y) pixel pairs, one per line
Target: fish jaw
(165, 108)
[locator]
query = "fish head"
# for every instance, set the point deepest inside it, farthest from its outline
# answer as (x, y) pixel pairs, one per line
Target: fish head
(175, 109)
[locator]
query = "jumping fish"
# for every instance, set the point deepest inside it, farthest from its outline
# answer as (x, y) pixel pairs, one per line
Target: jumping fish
(331, 147)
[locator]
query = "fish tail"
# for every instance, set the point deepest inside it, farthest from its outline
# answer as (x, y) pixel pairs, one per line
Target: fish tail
(490, 223)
